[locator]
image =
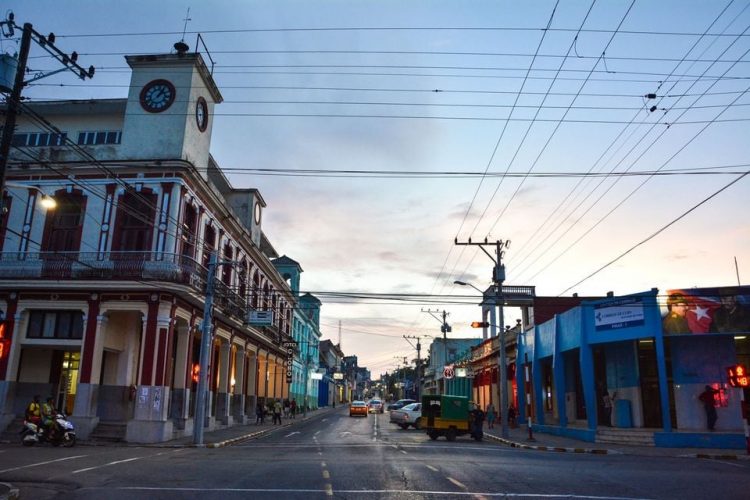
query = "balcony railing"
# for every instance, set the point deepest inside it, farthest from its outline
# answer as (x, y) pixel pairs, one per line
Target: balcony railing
(120, 266)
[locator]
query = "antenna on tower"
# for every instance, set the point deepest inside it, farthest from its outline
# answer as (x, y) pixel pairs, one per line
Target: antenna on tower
(181, 47)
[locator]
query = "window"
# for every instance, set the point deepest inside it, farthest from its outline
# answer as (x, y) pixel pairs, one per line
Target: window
(189, 226)
(136, 214)
(55, 325)
(64, 224)
(38, 139)
(99, 137)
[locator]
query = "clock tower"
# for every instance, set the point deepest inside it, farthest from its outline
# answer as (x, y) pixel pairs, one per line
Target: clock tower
(170, 109)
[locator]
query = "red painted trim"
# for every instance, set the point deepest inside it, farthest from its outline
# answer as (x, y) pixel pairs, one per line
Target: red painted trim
(161, 356)
(10, 323)
(149, 340)
(89, 342)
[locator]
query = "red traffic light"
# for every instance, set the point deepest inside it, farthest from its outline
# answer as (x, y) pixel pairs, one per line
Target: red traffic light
(479, 324)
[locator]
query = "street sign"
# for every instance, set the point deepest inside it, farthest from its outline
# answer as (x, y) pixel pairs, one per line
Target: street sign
(290, 346)
(449, 372)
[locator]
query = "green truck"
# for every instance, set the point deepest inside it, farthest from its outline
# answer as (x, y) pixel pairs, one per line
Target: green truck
(448, 416)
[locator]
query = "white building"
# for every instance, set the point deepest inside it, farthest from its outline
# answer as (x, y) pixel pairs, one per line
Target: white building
(104, 295)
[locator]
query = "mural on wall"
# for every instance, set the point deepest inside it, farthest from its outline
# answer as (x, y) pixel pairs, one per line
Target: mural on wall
(707, 310)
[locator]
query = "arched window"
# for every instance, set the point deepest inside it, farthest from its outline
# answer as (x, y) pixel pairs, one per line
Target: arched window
(64, 224)
(135, 222)
(209, 244)
(189, 231)
(226, 271)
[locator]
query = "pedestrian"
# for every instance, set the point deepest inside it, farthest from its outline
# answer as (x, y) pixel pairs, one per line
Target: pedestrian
(607, 401)
(491, 416)
(259, 414)
(277, 409)
(293, 408)
(286, 408)
(707, 397)
(512, 417)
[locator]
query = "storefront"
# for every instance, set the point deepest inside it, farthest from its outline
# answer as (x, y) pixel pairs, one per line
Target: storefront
(640, 361)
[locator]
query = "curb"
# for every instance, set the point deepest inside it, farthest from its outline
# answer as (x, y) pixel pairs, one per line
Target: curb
(252, 435)
(558, 449)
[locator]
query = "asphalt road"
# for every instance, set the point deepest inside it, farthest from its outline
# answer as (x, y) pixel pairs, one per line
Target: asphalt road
(335, 456)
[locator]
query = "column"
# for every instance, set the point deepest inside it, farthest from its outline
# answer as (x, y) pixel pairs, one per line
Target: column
(222, 391)
(238, 392)
(180, 391)
(84, 410)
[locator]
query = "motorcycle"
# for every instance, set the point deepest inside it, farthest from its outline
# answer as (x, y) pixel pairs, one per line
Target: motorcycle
(62, 432)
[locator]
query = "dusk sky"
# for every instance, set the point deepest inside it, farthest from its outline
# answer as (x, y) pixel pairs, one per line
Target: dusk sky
(506, 111)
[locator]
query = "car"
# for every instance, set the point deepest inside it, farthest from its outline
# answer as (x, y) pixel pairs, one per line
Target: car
(400, 404)
(358, 408)
(375, 406)
(408, 415)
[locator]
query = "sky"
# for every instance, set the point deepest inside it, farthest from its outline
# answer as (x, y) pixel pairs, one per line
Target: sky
(522, 121)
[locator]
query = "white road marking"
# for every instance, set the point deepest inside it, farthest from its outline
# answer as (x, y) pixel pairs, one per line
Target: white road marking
(329, 490)
(456, 482)
(359, 492)
(108, 464)
(292, 434)
(402, 451)
(316, 433)
(322, 464)
(42, 463)
(433, 469)
(326, 475)
(730, 463)
(323, 420)
(128, 460)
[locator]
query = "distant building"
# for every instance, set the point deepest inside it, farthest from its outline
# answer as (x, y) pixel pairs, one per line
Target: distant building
(329, 392)
(443, 353)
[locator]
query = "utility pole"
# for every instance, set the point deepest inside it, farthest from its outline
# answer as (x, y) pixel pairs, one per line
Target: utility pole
(444, 328)
(206, 341)
(417, 377)
(14, 100)
(498, 276)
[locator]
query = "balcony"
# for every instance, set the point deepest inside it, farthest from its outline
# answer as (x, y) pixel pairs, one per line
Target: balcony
(109, 266)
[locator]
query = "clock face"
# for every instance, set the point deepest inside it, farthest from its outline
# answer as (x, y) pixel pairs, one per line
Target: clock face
(256, 212)
(201, 114)
(157, 96)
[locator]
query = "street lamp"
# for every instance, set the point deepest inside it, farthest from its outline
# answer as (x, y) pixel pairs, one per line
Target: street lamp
(463, 283)
(47, 200)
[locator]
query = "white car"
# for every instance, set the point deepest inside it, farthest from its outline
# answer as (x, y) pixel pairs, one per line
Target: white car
(408, 415)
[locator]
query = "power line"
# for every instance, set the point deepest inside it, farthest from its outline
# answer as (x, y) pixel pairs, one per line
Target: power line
(657, 232)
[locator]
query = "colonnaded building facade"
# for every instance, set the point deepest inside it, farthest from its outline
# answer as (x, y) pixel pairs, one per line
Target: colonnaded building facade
(103, 296)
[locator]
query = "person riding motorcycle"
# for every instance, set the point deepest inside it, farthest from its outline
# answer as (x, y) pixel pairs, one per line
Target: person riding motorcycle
(34, 411)
(49, 412)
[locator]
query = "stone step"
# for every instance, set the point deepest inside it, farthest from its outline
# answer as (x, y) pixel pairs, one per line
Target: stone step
(112, 432)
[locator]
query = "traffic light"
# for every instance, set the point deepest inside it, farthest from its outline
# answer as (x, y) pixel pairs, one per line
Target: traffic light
(737, 376)
(4, 340)
(480, 324)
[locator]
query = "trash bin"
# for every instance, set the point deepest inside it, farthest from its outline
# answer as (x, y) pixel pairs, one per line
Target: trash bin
(623, 414)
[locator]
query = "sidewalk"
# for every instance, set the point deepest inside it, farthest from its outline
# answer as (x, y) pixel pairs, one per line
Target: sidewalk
(229, 435)
(518, 438)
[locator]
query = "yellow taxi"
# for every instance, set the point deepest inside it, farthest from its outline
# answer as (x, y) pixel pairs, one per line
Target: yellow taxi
(358, 408)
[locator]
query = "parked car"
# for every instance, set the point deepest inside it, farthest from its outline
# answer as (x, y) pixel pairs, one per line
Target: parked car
(408, 415)
(358, 408)
(375, 406)
(400, 404)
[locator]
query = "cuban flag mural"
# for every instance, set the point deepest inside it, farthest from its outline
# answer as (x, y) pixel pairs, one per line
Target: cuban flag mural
(707, 310)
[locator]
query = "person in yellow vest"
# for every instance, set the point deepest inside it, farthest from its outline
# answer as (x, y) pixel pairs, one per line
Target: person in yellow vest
(48, 415)
(34, 411)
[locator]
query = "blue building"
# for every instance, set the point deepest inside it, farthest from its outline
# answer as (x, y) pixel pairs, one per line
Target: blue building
(303, 386)
(628, 348)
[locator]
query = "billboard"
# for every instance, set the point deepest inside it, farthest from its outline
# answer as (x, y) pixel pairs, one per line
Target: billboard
(707, 310)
